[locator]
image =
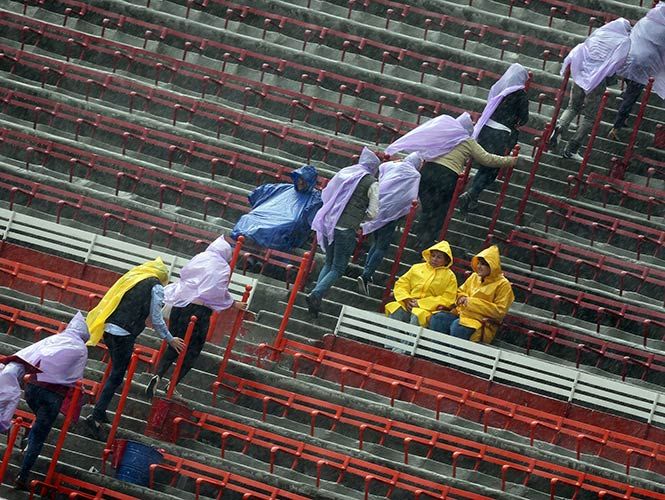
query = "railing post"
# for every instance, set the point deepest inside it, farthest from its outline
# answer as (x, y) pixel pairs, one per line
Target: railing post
(302, 273)
(547, 133)
(398, 254)
(459, 187)
(181, 357)
(73, 406)
(123, 398)
(11, 439)
(233, 334)
(501, 199)
(589, 146)
(628, 153)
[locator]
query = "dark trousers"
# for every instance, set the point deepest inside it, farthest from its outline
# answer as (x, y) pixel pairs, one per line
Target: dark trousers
(437, 185)
(630, 94)
(338, 254)
(498, 142)
(179, 321)
(120, 350)
(382, 239)
(45, 404)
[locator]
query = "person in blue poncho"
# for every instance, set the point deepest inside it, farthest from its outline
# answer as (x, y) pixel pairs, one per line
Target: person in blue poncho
(282, 214)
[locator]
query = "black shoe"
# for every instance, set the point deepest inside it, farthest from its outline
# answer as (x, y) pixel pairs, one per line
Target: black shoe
(554, 138)
(21, 484)
(313, 305)
(150, 388)
(94, 427)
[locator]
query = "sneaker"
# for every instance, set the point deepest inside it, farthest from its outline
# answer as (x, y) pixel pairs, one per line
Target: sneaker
(94, 427)
(150, 388)
(363, 286)
(572, 156)
(21, 484)
(466, 203)
(313, 304)
(554, 138)
(613, 134)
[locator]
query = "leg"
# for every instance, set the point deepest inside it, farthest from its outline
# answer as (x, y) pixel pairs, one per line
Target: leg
(630, 96)
(197, 341)
(382, 239)
(459, 331)
(342, 249)
(574, 108)
(591, 104)
(401, 315)
(178, 321)
(45, 404)
(120, 350)
(442, 321)
(494, 141)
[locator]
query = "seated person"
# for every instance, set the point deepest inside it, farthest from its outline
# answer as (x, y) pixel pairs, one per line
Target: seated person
(282, 214)
(424, 287)
(486, 294)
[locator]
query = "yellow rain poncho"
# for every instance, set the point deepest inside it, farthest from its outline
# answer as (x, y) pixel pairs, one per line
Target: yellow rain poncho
(430, 286)
(489, 299)
(97, 316)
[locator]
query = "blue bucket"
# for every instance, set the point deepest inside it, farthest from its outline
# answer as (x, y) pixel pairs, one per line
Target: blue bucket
(135, 462)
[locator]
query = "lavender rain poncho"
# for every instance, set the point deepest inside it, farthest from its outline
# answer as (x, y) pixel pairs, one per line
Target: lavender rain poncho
(647, 51)
(435, 137)
(61, 359)
(205, 278)
(513, 79)
(601, 55)
(337, 193)
(398, 187)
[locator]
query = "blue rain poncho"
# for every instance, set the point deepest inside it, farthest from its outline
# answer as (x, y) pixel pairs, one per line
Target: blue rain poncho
(281, 215)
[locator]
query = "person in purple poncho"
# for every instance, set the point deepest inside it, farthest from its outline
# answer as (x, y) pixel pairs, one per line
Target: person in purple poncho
(591, 63)
(351, 197)
(398, 188)
(55, 364)
(496, 131)
(202, 289)
(445, 143)
(646, 58)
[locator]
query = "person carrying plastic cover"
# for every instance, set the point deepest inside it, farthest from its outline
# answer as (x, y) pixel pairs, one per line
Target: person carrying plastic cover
(591, 63)
(496, 131)
(282, 214)
(120, 318)
(202, 289)
(351, 197)
(398, 188)
(445, 143)
(646, 58)
(482, 301)
(54, 364)
(425, 286)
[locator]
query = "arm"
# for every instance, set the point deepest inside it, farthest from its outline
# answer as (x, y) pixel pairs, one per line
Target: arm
(495, 309)
(373, 194)
(402, 290)
(486, 159)
(158, 323)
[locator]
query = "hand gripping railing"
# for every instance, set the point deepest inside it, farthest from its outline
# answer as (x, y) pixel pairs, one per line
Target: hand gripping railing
(234, 333)
(398, 254)
(542, 146)
(502, 196)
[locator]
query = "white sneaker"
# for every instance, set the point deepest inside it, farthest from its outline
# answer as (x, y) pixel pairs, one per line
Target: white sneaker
(572, 156)
(363, 286)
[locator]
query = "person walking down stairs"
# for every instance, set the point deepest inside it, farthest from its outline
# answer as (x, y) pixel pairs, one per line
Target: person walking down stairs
(203, 288)
(54, 364)
(120, 318)
(592, 63)
(351, 197)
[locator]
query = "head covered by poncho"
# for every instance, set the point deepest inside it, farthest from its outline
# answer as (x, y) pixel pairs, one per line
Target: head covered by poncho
(435, 137)
(97, 317)
(205, 278)
(337, 194)
(57, 359)
(647, 50)
(398, 187)
(513, 79)
(600, 56)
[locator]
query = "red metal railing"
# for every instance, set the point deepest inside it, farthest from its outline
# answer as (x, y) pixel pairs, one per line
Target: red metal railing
(71, 411)
(459, 188)
(502, 196)
(181, 357)
(297, 285)
(234, 333)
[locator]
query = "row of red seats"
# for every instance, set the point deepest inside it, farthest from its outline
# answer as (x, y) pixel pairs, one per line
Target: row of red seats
(471, 404)
(376, 428)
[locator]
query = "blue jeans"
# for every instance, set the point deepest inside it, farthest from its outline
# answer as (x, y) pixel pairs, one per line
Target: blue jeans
(338, 254)
(120, 350)
(382, 239)
(405, 316)
(45, 404)
(449, 323)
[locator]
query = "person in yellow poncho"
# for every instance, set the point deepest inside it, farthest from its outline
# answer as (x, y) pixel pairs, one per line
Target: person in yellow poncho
(425, 286)
(482, 301)
(120, 318)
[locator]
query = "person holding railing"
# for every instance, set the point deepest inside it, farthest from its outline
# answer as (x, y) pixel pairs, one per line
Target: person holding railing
(398, 187)
(646, 58)
(445, 143)
(351, 197)
(120, 318)
(592, 63)
(425, 286)
(54, 364)
(202, 289)
(481, 303)
(496, 130)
